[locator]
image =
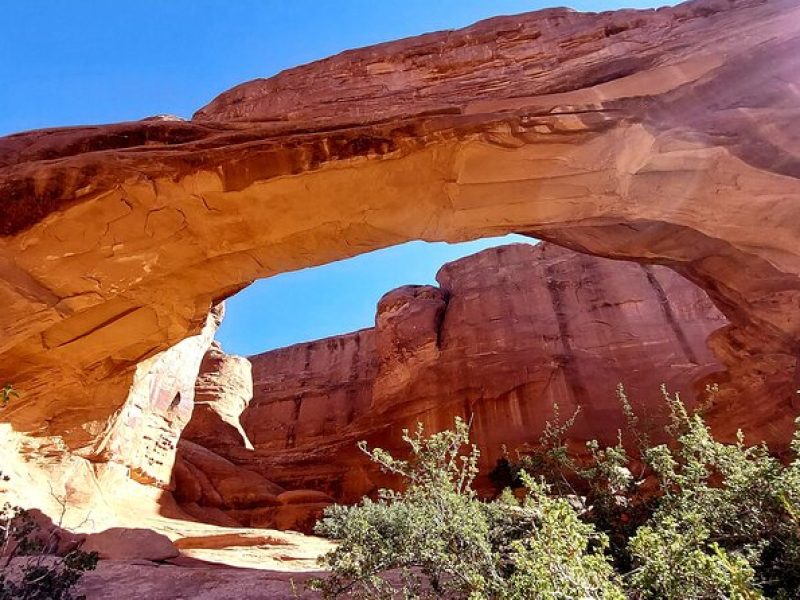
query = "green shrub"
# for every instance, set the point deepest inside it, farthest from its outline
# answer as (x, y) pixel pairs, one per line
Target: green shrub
(437, 539)
(7, 392)
(562, 557)
(702, 519)
(30, 568)
(696, 519)
(726, 521)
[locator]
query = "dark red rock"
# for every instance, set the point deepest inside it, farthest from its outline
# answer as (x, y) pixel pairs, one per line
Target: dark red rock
(509, 332)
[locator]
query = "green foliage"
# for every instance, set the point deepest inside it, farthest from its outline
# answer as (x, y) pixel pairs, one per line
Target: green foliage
(53, 579)
(31, 571)
(562, 557)
(603, 488)
(6, 394)
(438, 540)
(677, 560)
(726, 522)
(691, 518)
(700, 520)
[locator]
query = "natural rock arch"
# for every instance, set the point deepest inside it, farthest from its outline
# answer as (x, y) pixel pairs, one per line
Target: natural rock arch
(665, 137)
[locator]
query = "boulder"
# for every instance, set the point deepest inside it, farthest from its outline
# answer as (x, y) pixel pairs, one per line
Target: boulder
(120, 543)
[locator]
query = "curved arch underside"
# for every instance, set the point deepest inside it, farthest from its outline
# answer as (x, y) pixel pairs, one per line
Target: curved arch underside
(669, 137)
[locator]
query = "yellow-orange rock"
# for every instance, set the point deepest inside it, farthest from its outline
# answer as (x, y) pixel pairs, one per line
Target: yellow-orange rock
(210, 488)
(160, 403)
(223, 390)
(205, 478)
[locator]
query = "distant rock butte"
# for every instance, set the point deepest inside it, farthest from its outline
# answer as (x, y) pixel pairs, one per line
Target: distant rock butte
(508, 332)
(668, 137)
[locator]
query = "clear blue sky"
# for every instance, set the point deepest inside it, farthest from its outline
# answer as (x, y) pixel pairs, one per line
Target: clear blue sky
(333, 298)
(95, 61)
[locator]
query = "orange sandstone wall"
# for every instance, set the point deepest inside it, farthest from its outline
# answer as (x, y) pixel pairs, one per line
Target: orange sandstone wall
(669, 137)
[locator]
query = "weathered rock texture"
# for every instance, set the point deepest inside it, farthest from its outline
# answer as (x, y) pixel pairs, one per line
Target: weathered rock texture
(222, 391)
(508, 332)
(668, 137)
(144, 434)
(126, 478)
(215, 563)
(212, 489)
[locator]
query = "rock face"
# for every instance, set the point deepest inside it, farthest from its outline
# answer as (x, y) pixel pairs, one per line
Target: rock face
(131, 544)
(222, 391)
(144, 434)
(667, 137)
(212, 489)
(508, 332)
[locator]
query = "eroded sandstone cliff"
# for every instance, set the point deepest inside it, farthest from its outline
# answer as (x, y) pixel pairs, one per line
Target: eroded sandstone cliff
(507, 333)
(212, 489)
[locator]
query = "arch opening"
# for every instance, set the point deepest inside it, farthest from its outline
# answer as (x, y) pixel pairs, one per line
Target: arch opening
(685, 158)
(501, 336)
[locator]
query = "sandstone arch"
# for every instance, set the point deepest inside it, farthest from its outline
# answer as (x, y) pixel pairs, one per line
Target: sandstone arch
(665, 136)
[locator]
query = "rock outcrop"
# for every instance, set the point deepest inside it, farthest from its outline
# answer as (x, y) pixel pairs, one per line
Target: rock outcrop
(667, 137)
(212, 489)
(509, 332)
(663, 136)
(160, 403)
(222, 391)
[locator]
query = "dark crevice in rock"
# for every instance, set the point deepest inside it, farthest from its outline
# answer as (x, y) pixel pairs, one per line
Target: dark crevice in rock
(291, 433)
(571, 371)
(669, 314)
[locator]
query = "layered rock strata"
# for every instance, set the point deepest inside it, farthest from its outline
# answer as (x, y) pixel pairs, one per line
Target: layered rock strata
(212, 489)
(222, 391)
(668, 137)
(507, 333)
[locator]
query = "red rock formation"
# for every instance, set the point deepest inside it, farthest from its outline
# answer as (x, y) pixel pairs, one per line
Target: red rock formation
(222, 391)
(663, 136)
(214, 490)
(130, 544)
(668, 137)
(510, 331)
(144, 434)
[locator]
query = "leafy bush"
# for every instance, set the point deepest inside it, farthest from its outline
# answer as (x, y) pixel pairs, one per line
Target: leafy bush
(727, 519)
(692, 518)
(701, 519)
(7, 392)
(31, 570)
(438, 540)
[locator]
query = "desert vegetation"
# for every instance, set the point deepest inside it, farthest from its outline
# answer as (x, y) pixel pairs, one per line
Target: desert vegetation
(689, 518)
(34, 566)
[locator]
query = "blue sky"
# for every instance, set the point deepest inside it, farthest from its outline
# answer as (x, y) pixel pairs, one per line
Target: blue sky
(333, 298)
(96, 61)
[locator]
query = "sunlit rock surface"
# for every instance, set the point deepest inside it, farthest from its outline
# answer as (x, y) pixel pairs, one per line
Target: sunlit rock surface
(222, 391)
(663, 136)
(509, 332)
